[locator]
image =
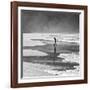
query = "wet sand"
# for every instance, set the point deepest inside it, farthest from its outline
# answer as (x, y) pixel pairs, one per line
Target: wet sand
(36, 70)
(38, 56)
(32, 70)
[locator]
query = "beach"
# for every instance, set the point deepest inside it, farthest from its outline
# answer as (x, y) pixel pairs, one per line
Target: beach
(39, 58)
(33, 69)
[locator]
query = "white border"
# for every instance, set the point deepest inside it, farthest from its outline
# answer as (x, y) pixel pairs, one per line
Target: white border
(30, 80)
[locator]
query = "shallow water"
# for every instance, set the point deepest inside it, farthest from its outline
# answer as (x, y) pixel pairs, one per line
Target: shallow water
(39, 52)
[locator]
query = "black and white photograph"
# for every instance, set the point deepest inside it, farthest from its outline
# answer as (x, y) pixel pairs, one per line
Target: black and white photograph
(50, 44)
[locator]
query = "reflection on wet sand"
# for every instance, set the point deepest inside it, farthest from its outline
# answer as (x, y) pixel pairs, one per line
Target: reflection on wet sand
(59, 56)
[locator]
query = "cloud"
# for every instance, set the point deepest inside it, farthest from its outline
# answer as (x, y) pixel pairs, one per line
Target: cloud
(49, 22)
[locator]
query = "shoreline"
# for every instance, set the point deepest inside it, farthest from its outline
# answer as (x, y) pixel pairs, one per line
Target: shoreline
(40, 70)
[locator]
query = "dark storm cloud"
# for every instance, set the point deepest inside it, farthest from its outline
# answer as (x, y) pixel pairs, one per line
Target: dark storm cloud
(49, 22)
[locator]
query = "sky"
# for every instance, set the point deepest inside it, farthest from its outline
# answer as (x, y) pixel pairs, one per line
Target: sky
(49, 22)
